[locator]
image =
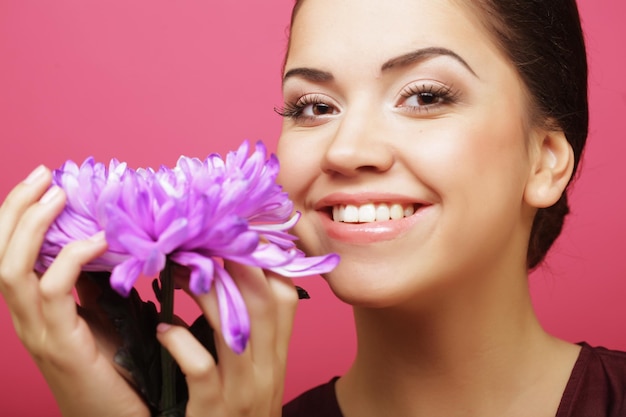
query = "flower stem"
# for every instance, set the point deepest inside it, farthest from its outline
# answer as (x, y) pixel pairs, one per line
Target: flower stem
(168, 366)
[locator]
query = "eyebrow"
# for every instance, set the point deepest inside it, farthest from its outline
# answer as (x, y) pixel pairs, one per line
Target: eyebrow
(320, 76)
(309, 74)
(423, 54)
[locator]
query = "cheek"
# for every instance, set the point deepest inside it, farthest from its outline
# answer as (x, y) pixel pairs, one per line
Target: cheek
(295, 169)
(471, 157)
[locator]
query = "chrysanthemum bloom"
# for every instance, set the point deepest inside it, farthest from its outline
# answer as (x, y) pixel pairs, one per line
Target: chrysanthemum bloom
(88, 189)
(197, 214)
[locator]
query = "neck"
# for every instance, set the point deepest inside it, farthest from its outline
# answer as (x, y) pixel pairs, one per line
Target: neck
(469, 351)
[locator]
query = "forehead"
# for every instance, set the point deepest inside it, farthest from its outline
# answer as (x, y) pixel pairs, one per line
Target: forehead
(374, 30)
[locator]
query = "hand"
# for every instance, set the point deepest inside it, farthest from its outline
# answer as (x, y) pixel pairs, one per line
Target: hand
(249, 384)
(77, 366)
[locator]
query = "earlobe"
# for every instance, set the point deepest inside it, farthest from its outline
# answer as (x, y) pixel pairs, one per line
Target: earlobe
(551, 170)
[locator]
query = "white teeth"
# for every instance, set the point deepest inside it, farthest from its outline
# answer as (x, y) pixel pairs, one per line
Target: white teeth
(371, 212)
(337, 213)
(351, 214)
(396, 212)
(382, 212)
(367, 213)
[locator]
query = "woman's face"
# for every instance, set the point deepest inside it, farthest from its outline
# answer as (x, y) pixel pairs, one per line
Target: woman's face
(404, 146)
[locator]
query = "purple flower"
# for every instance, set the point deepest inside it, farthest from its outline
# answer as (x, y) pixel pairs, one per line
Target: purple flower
(196, 214)
(88, 188)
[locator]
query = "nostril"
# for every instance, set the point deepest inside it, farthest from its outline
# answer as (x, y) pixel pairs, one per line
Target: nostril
(349, 155)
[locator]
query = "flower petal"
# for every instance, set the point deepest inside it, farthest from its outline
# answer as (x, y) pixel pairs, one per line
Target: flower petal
(124, 276)
(202, 270)
(234, 319)
(302, 266)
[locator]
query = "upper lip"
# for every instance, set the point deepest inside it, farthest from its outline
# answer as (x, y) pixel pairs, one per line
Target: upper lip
(357, 199)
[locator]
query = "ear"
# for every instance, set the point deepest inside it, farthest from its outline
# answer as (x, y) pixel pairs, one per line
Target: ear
(552, 163)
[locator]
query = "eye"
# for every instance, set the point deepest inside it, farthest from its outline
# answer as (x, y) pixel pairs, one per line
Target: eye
(426, 97)
(317, 109)
(308, 109)
(422, 99)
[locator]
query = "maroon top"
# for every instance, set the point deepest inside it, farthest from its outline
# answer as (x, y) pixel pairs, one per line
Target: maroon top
(596, 388)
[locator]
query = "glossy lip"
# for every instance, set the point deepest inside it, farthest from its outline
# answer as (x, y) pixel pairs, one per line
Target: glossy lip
(364, 233)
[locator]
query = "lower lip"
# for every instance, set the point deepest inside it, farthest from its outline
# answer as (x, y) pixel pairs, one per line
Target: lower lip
(363, 233)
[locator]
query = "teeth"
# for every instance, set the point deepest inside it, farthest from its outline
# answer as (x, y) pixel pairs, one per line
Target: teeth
(351, 214)
(396, 212)
(371, 212)
(382, 212)
(367, 213)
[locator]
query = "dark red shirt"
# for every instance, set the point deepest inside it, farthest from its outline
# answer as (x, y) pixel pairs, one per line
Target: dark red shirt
(596, 388)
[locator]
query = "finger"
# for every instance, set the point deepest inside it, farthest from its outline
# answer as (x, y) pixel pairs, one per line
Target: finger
(259, 299)
(25, 243)
(58, 306)
(18, 200)
(18, 283)
(198, 366)
(286, 297)
(230, 362)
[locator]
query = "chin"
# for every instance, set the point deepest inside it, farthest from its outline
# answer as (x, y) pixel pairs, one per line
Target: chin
(369, 290)
(392, 284)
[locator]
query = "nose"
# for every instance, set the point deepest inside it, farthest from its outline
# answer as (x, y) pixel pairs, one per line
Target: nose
(358, 144)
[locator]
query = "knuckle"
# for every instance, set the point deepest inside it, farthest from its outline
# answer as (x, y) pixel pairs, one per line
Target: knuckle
(12, 200)
(5, 272)
(20, 332)
(34, 346)
(51, 351)
(202, 369)
(288, 297)
(245, 409)
(245, 404)
(34, 220)
(72, 253)
(284, 290)
(48, 292)
(60, 361)
(8, 275)
(291, 296)
(70, 250)
(266, 385)
(199, 409)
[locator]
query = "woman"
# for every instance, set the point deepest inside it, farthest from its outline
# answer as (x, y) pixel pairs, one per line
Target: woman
(451, 111)
(430, 144)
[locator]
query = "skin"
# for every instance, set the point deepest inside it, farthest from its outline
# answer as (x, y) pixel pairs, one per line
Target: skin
(441, 298)
(75, 363)
(74, 348)
(444, 321)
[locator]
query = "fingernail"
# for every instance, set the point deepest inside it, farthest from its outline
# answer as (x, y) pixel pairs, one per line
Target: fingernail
(98, 237)
(50, 194)
(35, 175)
(163, 327)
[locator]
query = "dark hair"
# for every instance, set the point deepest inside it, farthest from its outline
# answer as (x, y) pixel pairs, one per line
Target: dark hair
(545, 42)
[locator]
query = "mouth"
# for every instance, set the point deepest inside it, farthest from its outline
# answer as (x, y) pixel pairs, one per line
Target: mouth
(371, 212)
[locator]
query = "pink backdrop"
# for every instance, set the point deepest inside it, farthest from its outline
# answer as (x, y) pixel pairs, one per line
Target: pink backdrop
(147, 81)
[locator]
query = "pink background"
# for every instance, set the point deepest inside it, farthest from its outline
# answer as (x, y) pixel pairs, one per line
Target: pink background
(147, 81)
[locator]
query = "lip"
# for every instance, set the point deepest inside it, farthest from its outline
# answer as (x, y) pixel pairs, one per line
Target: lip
(362, 198)
(365, 233)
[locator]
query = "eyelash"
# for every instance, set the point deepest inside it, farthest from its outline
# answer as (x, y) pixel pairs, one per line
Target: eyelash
(294, 110)
(443, 94)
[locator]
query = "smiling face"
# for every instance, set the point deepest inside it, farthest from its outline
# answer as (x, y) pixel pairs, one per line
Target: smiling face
(405, 146)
